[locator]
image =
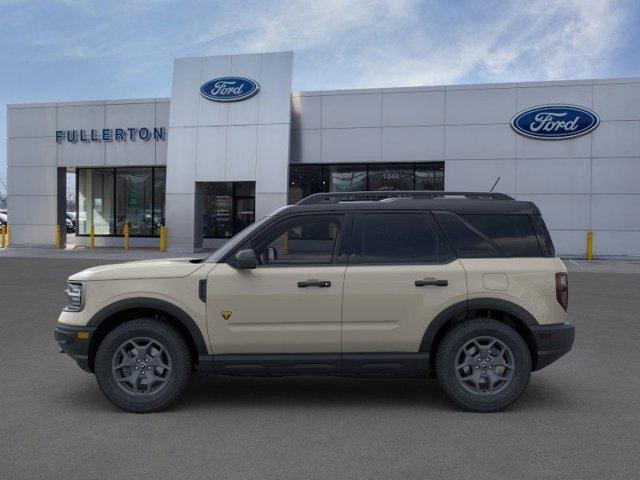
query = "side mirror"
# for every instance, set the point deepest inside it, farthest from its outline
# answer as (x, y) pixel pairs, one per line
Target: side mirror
(245, 260)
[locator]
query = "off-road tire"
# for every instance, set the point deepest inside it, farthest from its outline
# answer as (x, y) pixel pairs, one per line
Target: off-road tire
(177, 377)
(448, 352)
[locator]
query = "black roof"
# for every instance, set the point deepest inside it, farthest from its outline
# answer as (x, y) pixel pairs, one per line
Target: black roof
(457, 202)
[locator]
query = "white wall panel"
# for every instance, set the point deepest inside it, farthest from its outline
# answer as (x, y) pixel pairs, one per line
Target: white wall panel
(306, 112)
(560, 175)
(616, 175)
(349, 111)
(480, 175)
(617, 101)
(562, 212)
(615, 212)
(579, 147)
(268, 202)
(212, 113)
(412, 144)
(85, 117)
(210, 161)
(241, 153)
(617, 139)
(306, 146)
(185, 92)
(181, 172)
(273, 142)
(413, 108)
(479, 141)
(80, 154)
(275, 92)
(32, 122)
(542, 95)
(32, 181)
(495, 105)
(245, 112)
(616, 243)
(570, 242)
(351, 145)
(41, 152)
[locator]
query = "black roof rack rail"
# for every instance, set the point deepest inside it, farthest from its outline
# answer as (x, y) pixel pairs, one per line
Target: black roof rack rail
(374, 196)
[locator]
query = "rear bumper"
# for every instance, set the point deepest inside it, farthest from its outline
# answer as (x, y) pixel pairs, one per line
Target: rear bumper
(74, 346)
(552, 342)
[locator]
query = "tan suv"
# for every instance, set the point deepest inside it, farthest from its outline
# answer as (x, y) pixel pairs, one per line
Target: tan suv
(462, 286)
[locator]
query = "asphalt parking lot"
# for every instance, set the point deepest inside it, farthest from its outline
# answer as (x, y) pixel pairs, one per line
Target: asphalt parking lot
(579, 418)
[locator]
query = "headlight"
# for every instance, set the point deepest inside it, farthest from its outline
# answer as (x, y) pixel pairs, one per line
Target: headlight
(75, 300)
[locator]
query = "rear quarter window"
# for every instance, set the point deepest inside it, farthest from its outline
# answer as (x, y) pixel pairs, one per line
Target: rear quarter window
(490, 235)
(514, 234)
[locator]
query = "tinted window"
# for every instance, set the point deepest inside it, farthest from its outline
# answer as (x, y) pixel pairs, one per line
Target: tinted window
(304, 241)
(399, 238)
(544, 239)
(512, 233)
(468, 242)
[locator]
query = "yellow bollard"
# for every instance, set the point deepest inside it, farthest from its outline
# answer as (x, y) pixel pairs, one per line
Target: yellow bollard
(92, 237)
(126, 238)
(8, 232)
(163, 239)
(3, 234)
(589, 245)
(58, 236)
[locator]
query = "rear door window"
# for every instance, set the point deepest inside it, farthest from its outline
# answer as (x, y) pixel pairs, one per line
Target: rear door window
(400, 238)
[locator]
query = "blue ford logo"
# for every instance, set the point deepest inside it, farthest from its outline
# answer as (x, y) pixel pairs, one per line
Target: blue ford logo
(229, 89)
(555, 122)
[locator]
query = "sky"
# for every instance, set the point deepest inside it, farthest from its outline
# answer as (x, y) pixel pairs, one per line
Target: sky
(86, 50)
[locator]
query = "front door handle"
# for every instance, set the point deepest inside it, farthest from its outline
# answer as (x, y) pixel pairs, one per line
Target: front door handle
(314, 283)
(431, 281)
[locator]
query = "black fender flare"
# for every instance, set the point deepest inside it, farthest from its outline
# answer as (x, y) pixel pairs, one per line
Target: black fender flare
(466, 306)
(156, 304)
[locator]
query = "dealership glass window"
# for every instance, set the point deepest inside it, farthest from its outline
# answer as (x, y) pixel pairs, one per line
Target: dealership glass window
(227, 208)
(111, 198)
(304, 180)
(95, 201)
(307, 179)
(345, 178)
(430, 176)
(134, 197)
(391, 177)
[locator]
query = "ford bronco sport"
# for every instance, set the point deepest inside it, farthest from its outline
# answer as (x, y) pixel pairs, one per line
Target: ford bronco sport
(465, 287)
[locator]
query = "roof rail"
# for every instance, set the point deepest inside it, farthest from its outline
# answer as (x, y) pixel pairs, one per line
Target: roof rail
(374, 196)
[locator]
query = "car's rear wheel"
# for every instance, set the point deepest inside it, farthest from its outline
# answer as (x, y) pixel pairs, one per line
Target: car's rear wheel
(143, 365)
(483, 365)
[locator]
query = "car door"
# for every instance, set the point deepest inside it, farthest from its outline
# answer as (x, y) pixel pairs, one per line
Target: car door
(402, 272)
(290, 303)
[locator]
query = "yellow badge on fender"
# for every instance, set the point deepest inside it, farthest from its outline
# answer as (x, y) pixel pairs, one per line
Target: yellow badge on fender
(226, 314)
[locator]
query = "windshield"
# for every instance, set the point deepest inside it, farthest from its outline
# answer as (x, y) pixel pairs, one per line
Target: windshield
(237, 239)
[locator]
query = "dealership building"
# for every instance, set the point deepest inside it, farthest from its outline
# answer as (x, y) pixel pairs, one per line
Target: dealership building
(233, 142)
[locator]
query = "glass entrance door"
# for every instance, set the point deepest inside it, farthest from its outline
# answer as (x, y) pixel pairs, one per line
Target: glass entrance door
(245, 213)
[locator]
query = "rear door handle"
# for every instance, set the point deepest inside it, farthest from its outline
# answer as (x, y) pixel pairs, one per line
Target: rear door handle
(431, 281)
(314, 283)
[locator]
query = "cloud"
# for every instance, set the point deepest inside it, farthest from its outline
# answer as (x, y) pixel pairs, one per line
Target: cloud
(350, 43)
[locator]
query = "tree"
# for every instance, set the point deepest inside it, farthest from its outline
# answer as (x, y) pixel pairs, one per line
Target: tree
(3, 193)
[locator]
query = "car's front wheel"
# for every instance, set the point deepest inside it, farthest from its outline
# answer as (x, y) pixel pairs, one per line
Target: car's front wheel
(483, 365)
(143, 365)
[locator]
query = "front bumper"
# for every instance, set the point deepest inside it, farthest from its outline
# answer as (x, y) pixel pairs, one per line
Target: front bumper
(75, 341)
(552, 342)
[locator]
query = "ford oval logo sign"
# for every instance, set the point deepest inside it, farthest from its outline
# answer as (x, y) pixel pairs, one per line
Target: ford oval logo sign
(555, 122)
(229, 89)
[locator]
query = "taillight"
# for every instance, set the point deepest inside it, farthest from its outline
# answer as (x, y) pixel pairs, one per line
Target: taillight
(562, 289)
